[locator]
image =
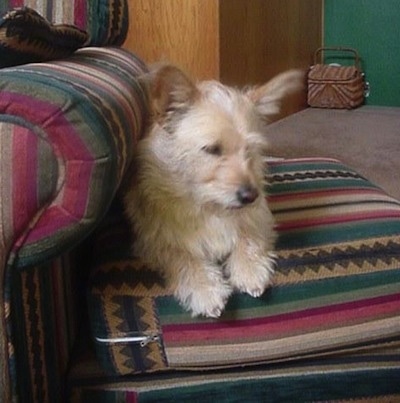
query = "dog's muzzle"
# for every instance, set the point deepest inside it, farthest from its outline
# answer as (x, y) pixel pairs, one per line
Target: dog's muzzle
(246, 194)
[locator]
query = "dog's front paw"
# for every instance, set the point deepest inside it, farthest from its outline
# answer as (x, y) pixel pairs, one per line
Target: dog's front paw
(254, 276)
(208, 301)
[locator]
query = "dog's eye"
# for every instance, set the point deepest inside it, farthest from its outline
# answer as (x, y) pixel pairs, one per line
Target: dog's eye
(213, 149)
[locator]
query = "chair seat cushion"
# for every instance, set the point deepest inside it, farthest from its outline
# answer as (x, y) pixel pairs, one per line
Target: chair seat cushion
(360, 377)
(336, 291)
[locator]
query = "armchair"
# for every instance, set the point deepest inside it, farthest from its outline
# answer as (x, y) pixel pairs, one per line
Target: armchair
(81, 321)
(67, 129)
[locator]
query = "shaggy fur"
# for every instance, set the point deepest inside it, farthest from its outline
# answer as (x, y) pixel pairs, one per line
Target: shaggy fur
(195, 199)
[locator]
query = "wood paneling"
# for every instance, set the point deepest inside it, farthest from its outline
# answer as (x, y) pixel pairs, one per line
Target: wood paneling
(260, 38)
(185, 32)
(236, 41)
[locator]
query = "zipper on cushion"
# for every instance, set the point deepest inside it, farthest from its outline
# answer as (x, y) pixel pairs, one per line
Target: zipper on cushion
(142, 340)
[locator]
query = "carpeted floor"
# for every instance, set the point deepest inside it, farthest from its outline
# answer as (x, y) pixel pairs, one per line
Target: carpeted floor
(367, 139)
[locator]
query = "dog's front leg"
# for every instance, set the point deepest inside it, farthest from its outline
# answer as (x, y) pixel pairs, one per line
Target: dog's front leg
(200, 287)
(251, 267)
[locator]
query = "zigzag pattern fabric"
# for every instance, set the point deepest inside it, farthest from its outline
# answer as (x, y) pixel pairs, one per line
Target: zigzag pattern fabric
(336, 291)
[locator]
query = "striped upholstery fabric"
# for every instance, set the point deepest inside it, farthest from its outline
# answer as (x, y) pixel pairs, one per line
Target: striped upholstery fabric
(106, 21)
(68, 130)
(335, 304)
(79, 119)
(46, 308)
(357, 378)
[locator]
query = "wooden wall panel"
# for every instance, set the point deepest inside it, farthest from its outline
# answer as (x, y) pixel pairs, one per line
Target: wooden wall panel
(184, 32)
(260, 38)
(240, 42)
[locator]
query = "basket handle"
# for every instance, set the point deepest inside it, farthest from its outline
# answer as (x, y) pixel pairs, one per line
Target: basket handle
(340, 49)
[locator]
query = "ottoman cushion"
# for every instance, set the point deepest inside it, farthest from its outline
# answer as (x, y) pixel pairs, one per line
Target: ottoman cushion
(336, 291)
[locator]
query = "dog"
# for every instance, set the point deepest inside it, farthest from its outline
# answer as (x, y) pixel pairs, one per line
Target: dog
(195, 198)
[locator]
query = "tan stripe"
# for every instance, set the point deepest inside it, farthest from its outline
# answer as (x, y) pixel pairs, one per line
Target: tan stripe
(196, 355)
(356, 244)
(37, 5)
(329, 211)
(311, 201)
(379, 399)
(63, 12)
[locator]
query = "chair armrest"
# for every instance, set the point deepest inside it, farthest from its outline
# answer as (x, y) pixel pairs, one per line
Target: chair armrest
(67, 133)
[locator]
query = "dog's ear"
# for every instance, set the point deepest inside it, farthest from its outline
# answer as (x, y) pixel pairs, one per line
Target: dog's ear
(170, 90)
(268, 97)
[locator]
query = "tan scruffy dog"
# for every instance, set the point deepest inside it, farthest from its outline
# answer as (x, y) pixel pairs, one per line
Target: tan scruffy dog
(196, 200)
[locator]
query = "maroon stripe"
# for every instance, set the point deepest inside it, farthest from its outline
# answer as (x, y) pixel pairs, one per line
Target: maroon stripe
(16, 3)
(69, 147)
(131, 397)
(80, 14)
(75, 195)
(219, 325)
(24, 173)
(67, 142)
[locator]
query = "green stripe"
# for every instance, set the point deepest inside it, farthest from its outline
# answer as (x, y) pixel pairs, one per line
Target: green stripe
(292, 298)
(304, 186)
(291, 166)
(286, 388)
(337, 233)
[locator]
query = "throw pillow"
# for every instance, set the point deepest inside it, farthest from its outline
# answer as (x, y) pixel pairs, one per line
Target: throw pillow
(27, 37)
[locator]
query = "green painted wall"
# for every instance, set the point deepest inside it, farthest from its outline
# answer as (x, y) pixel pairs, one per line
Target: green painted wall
(373, 28)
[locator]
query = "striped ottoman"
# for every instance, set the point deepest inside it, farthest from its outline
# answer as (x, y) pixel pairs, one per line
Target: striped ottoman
(334, 308)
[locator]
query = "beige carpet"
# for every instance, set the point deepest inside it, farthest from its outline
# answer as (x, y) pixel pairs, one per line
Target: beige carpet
(367, 139)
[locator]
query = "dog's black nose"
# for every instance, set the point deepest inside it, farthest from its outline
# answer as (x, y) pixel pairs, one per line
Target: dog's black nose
(247, 194)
